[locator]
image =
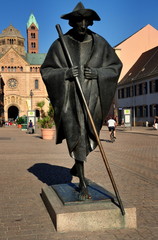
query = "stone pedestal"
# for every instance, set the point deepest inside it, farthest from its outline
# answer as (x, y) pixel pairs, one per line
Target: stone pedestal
(69, 214)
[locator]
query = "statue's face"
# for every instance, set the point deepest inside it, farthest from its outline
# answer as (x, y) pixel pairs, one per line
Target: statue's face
(80, 26)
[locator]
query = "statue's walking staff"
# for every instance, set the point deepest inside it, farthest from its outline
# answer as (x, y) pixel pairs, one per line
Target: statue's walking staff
(70, 63)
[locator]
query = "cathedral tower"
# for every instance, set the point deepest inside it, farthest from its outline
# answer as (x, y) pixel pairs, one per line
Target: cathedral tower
(32, 35)
(11, 37)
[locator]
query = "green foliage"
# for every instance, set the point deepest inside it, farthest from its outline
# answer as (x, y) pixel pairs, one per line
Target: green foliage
(20, 120)
(47, 119)
(46, 122)
(25, 119)
(40, 104)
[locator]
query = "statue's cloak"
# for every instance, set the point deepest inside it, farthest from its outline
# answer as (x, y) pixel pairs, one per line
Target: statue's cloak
(64, 95)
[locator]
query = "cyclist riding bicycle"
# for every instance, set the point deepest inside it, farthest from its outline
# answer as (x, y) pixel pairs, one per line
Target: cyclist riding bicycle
(111, 126)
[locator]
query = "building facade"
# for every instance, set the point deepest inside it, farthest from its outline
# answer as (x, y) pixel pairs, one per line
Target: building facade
(131, 48)
(20, 71)
(138, 90)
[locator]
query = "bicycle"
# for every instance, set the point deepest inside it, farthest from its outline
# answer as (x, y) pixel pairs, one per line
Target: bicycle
(112, 136)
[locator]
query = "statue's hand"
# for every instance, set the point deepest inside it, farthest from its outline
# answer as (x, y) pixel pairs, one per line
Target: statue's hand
(72, 72)
(90, 73)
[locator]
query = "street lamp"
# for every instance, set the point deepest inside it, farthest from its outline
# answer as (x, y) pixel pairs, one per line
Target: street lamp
(31, 95)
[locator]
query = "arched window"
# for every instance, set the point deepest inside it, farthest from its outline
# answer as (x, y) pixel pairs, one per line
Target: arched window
(36, 84)
(33, 44)
(33, 35)
(11, 41)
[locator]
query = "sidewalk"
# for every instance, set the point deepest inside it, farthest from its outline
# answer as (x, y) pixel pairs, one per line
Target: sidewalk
(141, 130)
(28, 163)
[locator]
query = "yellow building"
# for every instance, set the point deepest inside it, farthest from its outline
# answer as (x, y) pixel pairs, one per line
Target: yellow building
(20, 71)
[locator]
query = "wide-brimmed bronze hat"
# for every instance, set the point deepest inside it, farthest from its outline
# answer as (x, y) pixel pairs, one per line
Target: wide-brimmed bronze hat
(81, 11)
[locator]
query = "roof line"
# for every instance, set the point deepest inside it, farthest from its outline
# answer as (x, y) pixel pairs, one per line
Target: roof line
(146, 62)
(132, 35)
(32, 20)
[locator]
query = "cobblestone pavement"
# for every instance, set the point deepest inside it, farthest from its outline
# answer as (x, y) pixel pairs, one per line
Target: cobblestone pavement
(27, 163)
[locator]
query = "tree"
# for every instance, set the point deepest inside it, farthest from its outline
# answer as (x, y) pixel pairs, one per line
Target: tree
(46, 119)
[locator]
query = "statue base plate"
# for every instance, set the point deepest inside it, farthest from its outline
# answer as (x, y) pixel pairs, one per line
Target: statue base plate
(99, 213)
(69, 193)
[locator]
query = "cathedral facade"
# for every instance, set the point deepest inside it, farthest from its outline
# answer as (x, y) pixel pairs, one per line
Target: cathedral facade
(20, 71)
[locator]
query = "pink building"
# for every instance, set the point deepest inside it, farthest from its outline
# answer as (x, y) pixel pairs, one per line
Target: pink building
(131, 48)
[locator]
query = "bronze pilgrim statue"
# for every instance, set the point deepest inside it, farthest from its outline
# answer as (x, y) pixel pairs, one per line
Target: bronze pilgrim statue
(98, 68)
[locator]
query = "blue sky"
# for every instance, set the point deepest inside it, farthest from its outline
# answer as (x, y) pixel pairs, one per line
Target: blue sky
(119, 18)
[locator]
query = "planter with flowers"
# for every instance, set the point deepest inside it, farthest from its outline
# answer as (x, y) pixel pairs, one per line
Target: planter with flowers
(46, 122)
(19, 122)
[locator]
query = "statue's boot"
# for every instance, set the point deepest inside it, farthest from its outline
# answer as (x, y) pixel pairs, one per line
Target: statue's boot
(82, 181)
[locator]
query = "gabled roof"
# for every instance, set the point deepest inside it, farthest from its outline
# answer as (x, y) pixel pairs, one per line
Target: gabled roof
(145, 66)
(12, 50)
(11, 32)
(31, 58)
(147, 26)
(32, 20)
(35, 58)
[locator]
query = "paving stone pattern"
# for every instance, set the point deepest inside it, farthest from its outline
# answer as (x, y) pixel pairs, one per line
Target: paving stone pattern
(27, 163)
